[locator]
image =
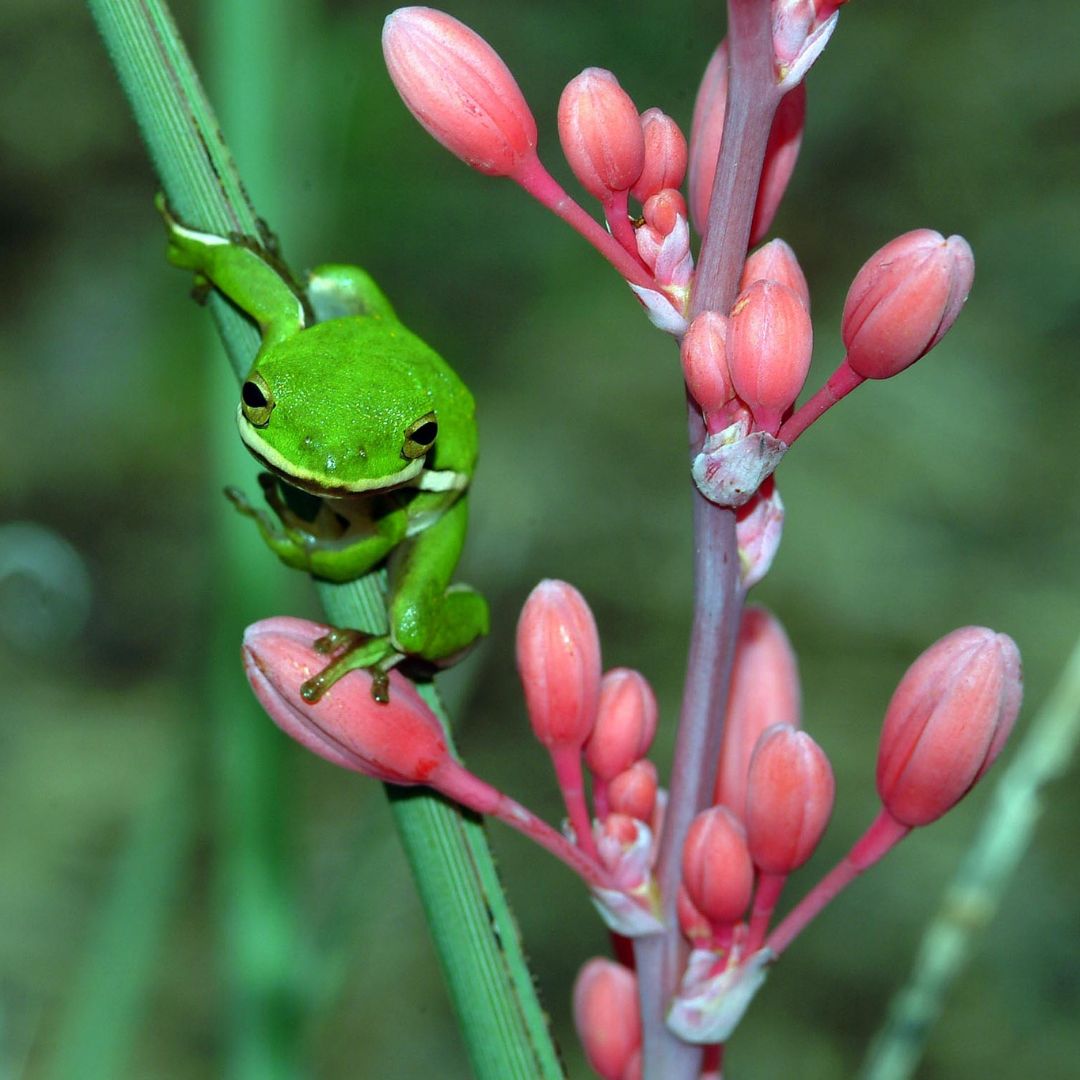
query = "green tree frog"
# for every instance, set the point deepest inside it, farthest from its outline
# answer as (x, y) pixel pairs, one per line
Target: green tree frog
(369, 439)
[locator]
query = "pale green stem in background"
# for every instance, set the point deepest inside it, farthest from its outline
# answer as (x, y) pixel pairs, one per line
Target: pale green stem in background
(975, 893)
(503, 1024)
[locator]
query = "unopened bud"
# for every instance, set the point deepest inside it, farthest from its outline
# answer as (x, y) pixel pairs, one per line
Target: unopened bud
(706, 130)
(607, 1016)
(663, 209)
(558, 657)
(716, 867)
(769, 347)
(600, 132)
(789, 798)
(625, 723)
(781, 153)
(693, 924)
(947, 722)
(459, 89)
(904, 300)
(399, 742)
(665, 155)
(633, 791)
(764, 691)
(704, 361)
(775, 261)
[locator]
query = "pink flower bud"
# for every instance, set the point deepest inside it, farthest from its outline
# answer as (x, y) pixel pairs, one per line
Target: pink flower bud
(903, 301)
(607, 1016)
(775, 261)
(633, 791)
(764, 691)
(788, 799)
(946, 722)
(704, 361)
(769, 347)
(716, 867)
(600, 132)
(625, 723)
(693, 924)
(665, 155)
(400, 742)
(706, 129)
(558, 657)
(459, 89)
(662, 210)
(781, 153)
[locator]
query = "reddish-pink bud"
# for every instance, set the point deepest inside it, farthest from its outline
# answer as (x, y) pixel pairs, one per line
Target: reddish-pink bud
(946, 722)
(607, 1016)
(662, 209)
(781, 153)
(769, 347)
(775, 261)
(558, 657)
(633, 791)
(692, 923)
(704, 361)
(764, 691)
(903, 301)
(400, 742)
(789, 798)
(706, 129)
(665, 155)
(459, 89)
(716, 867)
(600, 132)
(625, 723)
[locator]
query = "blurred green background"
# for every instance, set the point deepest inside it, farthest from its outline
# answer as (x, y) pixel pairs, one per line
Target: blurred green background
(184, 894)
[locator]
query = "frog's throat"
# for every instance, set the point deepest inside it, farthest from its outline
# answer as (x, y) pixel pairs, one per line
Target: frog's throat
(311, 482)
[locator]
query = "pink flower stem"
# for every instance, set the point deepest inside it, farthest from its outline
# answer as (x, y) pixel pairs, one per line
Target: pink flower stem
(882, 836)
(838, 385)
(617, 216)
(766, 897)
(567, 763)
(718, 595)
(543, 187)
(457, 783)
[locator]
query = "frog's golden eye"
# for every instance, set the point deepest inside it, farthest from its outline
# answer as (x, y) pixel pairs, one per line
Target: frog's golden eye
(419, 436)
(256, 401)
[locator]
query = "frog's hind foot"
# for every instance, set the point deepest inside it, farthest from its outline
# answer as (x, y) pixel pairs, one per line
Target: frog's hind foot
(350, 650)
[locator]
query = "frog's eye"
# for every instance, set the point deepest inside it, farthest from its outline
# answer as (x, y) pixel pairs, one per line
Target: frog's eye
(419, 436)
(256, 401)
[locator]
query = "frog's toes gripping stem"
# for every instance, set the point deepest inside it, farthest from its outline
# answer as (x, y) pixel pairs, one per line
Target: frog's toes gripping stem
(350, 650)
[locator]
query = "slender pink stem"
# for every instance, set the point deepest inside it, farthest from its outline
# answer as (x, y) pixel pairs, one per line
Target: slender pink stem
(567, 763)
(766, 897)
(882, 836)
(617, 215)
(457, 783)
(838, 385)
(718, 595)
(543, 187)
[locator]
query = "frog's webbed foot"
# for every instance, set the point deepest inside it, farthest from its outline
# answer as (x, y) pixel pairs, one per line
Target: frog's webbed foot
(270, 528)
(350, 650)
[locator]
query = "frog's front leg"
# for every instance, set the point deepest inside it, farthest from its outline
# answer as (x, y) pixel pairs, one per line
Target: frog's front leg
(242, 272)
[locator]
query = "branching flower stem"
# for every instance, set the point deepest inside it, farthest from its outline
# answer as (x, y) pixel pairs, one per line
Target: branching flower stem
(751, 105)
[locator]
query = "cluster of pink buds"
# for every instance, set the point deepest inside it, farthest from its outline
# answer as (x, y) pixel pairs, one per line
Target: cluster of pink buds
(946, 723)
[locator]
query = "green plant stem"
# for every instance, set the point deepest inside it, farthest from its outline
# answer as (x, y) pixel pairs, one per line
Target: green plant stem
(975, 893)
(503, 1024)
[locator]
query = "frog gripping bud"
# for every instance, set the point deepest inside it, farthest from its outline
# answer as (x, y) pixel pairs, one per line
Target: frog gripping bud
(601, 134)
(558, 657)
(947, 722)
(903, 301)
(459, 89)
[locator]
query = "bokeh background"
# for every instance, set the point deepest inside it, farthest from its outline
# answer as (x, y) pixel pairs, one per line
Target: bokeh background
(184, 894)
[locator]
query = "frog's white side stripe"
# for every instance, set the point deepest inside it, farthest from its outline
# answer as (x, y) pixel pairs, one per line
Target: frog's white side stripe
(442, 480)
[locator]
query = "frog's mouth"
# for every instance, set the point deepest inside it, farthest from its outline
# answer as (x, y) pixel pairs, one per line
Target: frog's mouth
(315, 485)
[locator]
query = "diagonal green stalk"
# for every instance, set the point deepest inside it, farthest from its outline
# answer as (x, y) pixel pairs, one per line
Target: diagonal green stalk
(503, 1024)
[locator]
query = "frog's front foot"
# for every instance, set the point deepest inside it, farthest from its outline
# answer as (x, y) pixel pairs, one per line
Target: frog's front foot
(350, 650)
